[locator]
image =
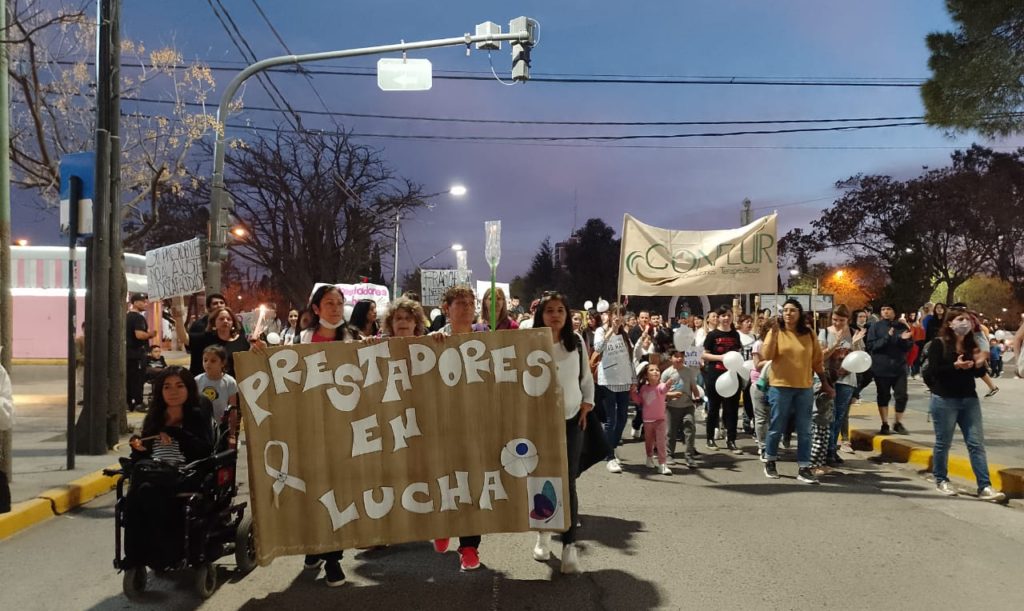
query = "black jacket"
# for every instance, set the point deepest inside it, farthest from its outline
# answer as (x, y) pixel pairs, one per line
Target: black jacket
(194, 436)
(945, 380)
(888, 352)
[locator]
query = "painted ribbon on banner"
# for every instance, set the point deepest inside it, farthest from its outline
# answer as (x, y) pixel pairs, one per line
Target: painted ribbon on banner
(656, 261)
(354, 445)
(175, 270)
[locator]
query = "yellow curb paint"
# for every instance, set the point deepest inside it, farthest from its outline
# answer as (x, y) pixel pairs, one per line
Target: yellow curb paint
(23, 515)
(79, 491)
(1009, 480)
(39, 362)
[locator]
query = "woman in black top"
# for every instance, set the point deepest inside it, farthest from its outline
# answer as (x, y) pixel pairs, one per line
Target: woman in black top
(178, 427)
(955, 361)
(223, 329)
(364, 319)
(719, 341)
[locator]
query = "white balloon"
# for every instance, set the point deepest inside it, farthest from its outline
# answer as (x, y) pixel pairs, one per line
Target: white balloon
(727, 384)
(744, 371)
(602, 306)
(683, 338)
(1000, 335)
(700, 391)
(588, 304)
(273, 338)
(857, 362)
(733, 361)
(434, 313)
(348, 312)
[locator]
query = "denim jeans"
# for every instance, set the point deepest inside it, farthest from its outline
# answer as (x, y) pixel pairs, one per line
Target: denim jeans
(786, 402)
(615, 407)
(844, 394)
(947, 413)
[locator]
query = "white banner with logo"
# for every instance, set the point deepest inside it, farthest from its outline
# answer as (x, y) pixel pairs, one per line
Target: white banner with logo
(656, 261)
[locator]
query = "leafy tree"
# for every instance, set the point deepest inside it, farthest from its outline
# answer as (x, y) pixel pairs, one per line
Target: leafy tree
(542, 275)
(592, 263)
(986, 294)
(977, 70)
(317, 206)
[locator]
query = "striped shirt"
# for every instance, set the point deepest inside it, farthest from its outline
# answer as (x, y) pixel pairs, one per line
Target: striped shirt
(168, 453)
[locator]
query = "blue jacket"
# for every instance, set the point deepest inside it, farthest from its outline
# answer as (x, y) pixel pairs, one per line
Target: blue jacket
(888, 352)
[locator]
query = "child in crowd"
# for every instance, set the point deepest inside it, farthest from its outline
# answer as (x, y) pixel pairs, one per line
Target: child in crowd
(682, 381)
(155, 362)
(214, 383)
(651, 395)
(996, 360)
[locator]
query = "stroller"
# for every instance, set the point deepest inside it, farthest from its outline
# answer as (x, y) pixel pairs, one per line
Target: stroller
(180, 517)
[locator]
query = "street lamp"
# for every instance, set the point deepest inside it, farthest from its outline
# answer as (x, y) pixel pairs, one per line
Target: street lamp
(22, 242)
(455, 190)
(453, 248)
(239, 232)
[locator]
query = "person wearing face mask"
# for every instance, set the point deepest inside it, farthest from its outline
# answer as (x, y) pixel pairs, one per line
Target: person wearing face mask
(889, 341)
(955, 361)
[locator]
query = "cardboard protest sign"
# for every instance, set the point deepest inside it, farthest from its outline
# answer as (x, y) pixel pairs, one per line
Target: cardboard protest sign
(656, 261)
(355, 445)
(175, 270)
(434, 283)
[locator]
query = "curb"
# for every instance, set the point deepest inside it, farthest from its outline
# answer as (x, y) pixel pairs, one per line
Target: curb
(1008, 479)
(56, 501)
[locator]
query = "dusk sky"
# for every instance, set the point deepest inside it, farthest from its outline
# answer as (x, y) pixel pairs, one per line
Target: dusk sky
(686, 183)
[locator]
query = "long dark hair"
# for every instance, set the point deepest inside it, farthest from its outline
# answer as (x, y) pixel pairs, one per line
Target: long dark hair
(801, 322)
(567, 336)
(949, 338)
(157, 414)
(361, 315)
(726, 310)
(318, 296)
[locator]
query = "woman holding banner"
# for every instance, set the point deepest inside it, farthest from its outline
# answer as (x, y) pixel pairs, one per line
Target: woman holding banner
(615, 378)
(327, 324)
(578, 394)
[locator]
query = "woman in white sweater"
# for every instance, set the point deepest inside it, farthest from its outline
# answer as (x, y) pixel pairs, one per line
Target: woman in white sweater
(615, 378)
(578, 394)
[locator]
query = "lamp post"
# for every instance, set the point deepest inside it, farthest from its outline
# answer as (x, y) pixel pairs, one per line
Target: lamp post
(453, 248)
(455, 190)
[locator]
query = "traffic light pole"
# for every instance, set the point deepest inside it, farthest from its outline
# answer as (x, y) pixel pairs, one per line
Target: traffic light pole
(523, 38)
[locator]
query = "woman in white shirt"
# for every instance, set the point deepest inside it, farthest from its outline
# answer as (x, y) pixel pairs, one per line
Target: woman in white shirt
(578, 394)
(615, 378)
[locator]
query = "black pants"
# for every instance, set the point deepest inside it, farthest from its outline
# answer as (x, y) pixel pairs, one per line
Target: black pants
(748, 406)
(573, 447)
(729, 406)
(892, 386)
(329, 556)
(863, 381)
(997, 368)
(135, 378)
(5, 492)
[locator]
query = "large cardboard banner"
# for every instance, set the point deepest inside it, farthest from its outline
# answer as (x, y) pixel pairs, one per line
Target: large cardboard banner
(356, 445)
(656, 261)
(175, 270)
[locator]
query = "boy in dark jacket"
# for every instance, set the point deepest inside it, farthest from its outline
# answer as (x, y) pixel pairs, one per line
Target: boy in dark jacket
(889, 341)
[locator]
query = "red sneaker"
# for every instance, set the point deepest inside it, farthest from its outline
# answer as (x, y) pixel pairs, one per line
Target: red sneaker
(470, 558)
(441, 545)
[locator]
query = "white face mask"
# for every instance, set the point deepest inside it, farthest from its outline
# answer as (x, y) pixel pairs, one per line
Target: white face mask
(331, 325)
(961, 327)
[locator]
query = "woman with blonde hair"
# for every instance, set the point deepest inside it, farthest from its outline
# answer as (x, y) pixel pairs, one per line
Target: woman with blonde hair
(405, 319)
(501, 308)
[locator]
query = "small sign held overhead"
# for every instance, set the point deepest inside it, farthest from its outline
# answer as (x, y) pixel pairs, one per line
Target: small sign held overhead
(403, 74)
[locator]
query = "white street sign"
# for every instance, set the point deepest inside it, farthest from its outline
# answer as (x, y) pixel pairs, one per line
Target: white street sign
(399, 74)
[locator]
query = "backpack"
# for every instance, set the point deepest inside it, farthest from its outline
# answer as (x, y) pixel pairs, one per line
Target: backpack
(928, 368)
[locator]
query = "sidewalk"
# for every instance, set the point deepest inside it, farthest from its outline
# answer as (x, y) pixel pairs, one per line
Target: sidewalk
(1003, 421)
(42, 486)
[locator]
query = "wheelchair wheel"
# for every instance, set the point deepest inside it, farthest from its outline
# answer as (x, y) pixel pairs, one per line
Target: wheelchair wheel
(134, 582)
(245, 545)
(206, 580)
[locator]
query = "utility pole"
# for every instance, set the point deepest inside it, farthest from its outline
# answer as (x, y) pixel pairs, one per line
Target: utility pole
(6, 300)
(744, 221)
(92, 425)
(522, 34)
(117, 414)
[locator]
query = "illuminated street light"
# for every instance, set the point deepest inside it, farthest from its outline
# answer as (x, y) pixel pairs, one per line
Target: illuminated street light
(457, 190)
(239, 232)
(22, 242)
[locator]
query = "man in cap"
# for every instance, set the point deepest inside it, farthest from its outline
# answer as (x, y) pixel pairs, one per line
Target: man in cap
(137, 338)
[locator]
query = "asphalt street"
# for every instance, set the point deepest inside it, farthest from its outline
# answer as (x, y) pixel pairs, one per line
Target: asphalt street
(876, 537)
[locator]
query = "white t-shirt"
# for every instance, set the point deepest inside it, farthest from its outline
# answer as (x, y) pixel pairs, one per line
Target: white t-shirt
(576, 389)
(526, 324)
(217, 391)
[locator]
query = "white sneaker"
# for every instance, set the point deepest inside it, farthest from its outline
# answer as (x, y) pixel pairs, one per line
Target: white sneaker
(570, 559)
(988, 493)
(664, 470)
(650, 462)
(847, 447)
(946, 488)
(636, 433)
(613, 466)
(542, 550)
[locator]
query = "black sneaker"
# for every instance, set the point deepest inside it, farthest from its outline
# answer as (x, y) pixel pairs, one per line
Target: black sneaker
(334, 575)
(885, 429)
(732, 448)
(312, 563)
(835, 459)
(805, 476)
(770, 471)
(899, 428)
(712, 445)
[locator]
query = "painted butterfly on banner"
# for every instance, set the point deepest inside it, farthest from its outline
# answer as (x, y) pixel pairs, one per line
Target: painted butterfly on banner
(544, 503)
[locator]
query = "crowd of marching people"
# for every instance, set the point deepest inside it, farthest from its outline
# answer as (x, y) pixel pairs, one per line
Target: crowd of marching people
(755, 380)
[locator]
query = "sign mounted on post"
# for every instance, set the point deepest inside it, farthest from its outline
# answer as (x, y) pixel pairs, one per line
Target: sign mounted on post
(435, 282)
(82, 165)
(403, 74)
(669, 262)
(175, 270)
(356, 445)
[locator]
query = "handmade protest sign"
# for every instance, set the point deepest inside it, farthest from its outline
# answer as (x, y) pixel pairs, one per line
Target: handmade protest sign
(356, 445)
(175, 270)
(435, 282)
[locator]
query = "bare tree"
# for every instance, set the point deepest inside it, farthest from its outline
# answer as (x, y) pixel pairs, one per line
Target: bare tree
(317, 206)
(53, 109)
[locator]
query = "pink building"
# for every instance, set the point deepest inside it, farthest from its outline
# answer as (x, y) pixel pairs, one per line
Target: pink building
(39, 285)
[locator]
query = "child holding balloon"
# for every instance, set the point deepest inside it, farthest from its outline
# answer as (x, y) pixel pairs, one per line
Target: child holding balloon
(722, 341)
